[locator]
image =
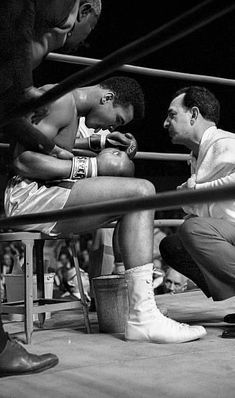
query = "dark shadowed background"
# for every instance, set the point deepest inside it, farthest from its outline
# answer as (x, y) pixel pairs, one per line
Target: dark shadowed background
(207, 51)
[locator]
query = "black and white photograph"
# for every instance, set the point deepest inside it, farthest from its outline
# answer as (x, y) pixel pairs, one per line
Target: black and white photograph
(117, 199)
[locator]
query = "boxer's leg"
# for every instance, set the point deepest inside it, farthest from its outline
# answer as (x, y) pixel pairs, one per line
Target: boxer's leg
(145, 321)
(136, 228)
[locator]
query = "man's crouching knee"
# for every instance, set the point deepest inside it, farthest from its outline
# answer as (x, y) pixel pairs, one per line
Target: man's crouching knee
(189, 230)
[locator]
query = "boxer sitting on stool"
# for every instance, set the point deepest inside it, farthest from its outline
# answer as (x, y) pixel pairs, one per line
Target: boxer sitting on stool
(46, 183)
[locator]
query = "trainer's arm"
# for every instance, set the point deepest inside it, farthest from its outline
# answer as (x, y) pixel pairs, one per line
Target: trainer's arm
(17, 21)
(219, 182)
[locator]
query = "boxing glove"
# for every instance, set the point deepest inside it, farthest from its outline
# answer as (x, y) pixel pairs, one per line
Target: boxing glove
(125, 142)
(83, 167)
(109, 162)
(113, 162)
(133, 147)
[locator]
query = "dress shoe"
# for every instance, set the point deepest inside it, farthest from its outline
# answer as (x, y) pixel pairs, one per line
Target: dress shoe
(230, 318)
(15, 360)
(228, 334)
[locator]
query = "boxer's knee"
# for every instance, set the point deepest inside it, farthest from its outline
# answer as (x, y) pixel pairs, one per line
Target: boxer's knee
(144, 188)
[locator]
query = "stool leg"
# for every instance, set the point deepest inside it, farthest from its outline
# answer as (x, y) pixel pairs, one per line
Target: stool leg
(28, 322)
(80, 287)
(38, 246)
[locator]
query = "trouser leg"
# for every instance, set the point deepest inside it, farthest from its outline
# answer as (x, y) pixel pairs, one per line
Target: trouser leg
(176, 256)
(211, 244)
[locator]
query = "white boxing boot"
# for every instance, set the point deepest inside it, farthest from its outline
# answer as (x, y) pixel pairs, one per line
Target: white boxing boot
(145, 321)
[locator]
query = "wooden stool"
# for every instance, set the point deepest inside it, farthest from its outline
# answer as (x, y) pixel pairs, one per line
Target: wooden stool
(34, 242)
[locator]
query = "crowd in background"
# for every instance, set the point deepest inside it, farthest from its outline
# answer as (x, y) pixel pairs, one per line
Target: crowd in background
(58, 260)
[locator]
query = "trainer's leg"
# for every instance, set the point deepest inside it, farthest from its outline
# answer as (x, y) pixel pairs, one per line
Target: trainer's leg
(176, 256)
(211, 243)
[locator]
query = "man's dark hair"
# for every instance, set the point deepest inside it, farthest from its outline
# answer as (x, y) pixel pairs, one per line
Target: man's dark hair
(95, 4)
(127, 92)
(206, 102)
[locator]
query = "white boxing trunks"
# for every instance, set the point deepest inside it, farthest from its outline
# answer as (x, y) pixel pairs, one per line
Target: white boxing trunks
(24, 196)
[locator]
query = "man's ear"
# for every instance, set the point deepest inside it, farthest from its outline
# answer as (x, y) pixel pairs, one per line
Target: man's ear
(185, 285)
(107, 97)
(83, 11)
(194, 114)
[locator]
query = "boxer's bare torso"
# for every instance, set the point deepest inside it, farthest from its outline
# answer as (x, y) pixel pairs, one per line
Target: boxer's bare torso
(61, 124)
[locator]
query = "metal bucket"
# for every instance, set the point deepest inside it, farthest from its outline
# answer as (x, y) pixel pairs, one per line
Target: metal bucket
(111, 298)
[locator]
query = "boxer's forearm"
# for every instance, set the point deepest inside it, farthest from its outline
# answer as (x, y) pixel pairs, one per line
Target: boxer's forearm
(33, 165)
(81, 143)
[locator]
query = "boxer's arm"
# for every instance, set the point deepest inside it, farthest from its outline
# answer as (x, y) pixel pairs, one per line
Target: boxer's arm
(97, 142)
(82, 143)
(37, 166)
(41, 167)
(110, 162)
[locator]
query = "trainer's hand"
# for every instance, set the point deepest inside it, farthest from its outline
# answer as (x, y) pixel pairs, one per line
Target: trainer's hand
(113, 162)
(189, 184)
(61, 153)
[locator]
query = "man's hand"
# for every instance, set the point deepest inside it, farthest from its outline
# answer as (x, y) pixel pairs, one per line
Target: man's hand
(61, 153)
(189, 184)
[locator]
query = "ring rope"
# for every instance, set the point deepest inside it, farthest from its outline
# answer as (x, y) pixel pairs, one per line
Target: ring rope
(130, 52)
(72, 59)
(139, 155)
(162, 201)
(157, 223)
(162, 156)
